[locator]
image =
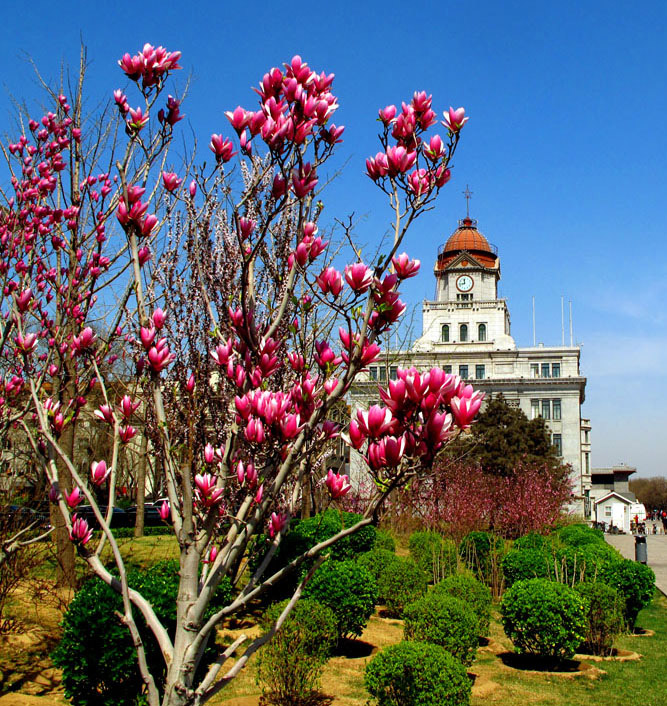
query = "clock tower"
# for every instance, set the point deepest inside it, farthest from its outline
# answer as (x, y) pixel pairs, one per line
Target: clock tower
(467, 309)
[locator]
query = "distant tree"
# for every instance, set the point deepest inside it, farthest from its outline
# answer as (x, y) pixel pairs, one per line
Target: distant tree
(652, 492)
(503, 437)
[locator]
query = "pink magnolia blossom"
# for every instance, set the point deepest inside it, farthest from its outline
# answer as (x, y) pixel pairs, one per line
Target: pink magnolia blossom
(74, 498)
(330, 281)
(171, 181)
(164, 510)
(304, 180)
(206, 492)
(221, 148)
(404, 266)
(80, 532)
(455, 119)
(137, 120)
(359, 277)
(128, 406)
(337, 484)
(127, 433)
(465, 408)
(105, 413)
(159, 317)
(277, 523)
(375, 421)
(387, 114)
(99, 472)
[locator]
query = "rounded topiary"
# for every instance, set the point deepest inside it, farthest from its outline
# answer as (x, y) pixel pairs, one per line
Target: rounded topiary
(577, 535)
(544, 618)
(435, 555)
(467, 588)
(635, 582)
(349, 590)
(289, 666)
(383, 540)
(401, 583)
(585, 562)
(96, 653)
(417, 674)
(604, 615)
(532, 540)
(522, 564)
(377, 561)
(445, 621)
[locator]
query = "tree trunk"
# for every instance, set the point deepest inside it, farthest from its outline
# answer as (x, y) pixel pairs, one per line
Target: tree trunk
(65, 557)
(141, 486)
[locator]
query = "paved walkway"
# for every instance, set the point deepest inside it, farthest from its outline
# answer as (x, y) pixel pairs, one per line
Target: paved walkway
(656, 548)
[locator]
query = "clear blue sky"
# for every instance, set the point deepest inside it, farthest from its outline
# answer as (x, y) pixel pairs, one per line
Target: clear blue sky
(565, 148)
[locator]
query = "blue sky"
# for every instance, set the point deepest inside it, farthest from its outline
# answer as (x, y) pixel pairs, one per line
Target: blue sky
(564, 151)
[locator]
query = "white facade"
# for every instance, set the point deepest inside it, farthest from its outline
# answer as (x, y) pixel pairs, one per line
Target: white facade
(466, 330)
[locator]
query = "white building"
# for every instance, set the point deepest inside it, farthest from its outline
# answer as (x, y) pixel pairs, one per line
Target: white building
(466, 330)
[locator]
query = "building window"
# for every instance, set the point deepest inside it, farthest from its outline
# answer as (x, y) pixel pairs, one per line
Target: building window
(587, 459)
(448, 369)
(546, 370)
(556, 409)
(464, 297)
(463, 333)
(534, 370)
(383, 373)
(607, 510)
(480, 372)
(373, 373)
(481, 332)
(587, 439)
(463, 372)
(393, 372)
(546, 409)
(445, 333)
(557, 441)
(534, 409)
(555, 370)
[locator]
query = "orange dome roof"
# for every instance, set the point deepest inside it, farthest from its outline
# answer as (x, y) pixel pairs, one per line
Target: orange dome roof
(467, 237)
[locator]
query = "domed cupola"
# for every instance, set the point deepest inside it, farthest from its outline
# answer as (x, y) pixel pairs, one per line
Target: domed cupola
(467, 237)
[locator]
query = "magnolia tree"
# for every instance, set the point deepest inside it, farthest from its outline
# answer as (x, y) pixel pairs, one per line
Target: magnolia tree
(213, 281)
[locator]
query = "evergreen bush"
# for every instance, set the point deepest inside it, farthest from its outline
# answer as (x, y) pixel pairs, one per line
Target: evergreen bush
(383, 540)
(417, 674)
(467, 588)
(544, 618)
(446, 621)
(579, 534)
(635, 582)
(377, 561)
(435, 555)
(289, 666)
(522, 564)
(401, 583)
(349, 590)
(604, 615)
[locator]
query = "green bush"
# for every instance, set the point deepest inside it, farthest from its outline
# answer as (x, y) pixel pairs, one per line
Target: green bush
(435, 555)
(417, 674)
(383, 540)
(289, 666)
(467, 588)
(401, 583)
(377, 561)
(579, 534)
(446, 621)
(305, 534)
(522, 564)
(532, 540)
(544, 618)
(604, 616)
(349, 590)
(636, 584)
(96, 654)
(584, 562)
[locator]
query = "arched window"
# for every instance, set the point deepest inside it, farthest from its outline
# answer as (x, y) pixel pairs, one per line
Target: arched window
(445, 333)
(481, 332)
(463, 333)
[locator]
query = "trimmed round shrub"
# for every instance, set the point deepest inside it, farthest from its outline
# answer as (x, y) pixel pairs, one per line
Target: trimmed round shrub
(580, 534)
(446, 621)
(544, 618)
(522, 564)
(585, 562)
(635, 582)
(377, 561)
(349, 590)
(435, 555)
(604, 615)
(383, 540)
(290, 665)
(401, 583)
(96, 653)
(467, 588)
(417, 674)
(532, 540)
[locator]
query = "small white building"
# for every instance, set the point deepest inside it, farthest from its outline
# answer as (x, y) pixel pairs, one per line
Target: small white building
(608, 497)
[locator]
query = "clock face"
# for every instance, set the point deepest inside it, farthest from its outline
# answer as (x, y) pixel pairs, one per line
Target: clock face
(464, 283)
